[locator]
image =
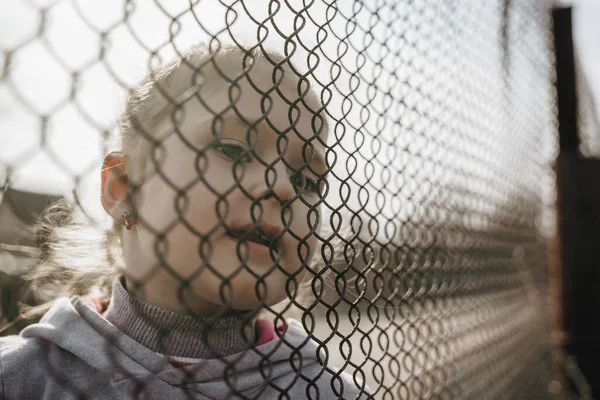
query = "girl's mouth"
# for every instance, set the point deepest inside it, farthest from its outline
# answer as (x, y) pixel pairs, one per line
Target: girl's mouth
(257, 242)
(256, 237)
(257, 248)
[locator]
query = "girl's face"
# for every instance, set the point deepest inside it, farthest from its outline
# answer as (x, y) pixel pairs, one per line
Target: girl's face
(207, 186)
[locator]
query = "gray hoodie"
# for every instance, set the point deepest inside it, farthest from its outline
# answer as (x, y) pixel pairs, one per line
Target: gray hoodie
(74, 352)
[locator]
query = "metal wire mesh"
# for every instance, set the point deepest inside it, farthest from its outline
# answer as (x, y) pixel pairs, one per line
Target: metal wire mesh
(429, 279)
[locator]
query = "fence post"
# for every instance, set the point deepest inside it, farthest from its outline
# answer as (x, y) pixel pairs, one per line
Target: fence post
(578, 208)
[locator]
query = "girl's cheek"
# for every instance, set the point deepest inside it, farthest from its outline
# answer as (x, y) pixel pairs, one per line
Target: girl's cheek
(305, 218)
(218, 174)
(154, 204)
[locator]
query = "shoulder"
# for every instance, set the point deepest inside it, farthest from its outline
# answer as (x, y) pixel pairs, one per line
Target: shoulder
(33, 367)
(16, 348)
(15, 351)
(18, 355)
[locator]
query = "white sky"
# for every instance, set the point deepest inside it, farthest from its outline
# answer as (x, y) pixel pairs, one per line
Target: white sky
(586, 22)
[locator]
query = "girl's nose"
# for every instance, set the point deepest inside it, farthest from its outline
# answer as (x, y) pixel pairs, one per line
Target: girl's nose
(279, 184)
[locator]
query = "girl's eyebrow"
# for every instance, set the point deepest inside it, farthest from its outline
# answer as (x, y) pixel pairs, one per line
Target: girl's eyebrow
(317, 161)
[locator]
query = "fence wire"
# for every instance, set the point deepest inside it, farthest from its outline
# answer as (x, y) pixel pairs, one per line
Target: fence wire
(425, 224)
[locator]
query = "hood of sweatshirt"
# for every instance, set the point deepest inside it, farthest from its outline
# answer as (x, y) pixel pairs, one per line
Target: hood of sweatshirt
(286, 362)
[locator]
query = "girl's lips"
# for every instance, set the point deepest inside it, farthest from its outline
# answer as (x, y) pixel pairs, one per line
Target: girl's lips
(257, 248)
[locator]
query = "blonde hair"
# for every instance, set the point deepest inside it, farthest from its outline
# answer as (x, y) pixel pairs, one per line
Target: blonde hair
(80, 256)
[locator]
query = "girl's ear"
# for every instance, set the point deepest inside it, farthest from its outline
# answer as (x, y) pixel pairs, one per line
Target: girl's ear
(114, 184)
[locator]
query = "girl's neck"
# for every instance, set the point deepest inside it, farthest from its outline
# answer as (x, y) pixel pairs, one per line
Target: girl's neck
(175, 334)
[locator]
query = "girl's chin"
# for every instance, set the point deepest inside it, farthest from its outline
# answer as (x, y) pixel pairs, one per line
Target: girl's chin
(251, 302)
(245, 291)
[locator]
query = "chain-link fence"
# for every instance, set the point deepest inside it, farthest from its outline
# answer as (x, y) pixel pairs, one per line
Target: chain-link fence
(378, 170)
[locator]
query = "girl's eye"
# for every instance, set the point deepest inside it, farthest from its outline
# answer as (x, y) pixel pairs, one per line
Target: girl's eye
(303, 183)
(234, 152)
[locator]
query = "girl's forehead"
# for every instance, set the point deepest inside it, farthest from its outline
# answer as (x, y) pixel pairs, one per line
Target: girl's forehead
(243, 106)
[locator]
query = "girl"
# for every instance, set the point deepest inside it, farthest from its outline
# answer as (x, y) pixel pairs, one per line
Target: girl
(214, 199)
